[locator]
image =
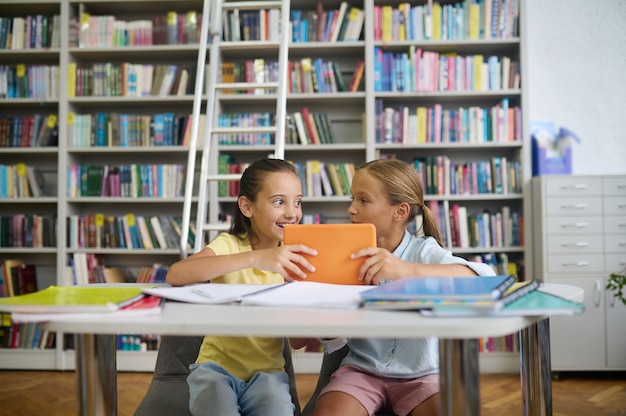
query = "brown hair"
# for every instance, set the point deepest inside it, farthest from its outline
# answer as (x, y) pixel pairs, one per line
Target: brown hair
(250, 185)
(402, 183)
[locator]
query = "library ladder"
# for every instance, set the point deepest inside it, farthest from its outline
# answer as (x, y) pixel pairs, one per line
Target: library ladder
(207, 213)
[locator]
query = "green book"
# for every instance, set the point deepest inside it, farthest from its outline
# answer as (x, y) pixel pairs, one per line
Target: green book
(341, 84)
(67, 299)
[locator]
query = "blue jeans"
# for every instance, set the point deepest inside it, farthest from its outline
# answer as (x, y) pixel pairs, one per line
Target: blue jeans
(215, 391)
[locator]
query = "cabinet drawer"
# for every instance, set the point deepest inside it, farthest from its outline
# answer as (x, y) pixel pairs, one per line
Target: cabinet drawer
(574, 206)
(574, 225)
(615, 263)
(615, 225)
(615, 243)
(591, 263)
(579, 186)
(615, 185)
(573, 244)
(615, 205)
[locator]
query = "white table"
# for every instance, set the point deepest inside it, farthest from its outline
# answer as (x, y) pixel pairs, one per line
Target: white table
(458, 345)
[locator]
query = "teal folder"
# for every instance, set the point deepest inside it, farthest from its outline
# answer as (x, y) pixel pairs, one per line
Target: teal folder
(535, 303)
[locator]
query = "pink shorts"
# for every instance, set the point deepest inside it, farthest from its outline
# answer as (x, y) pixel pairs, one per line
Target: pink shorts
(377, 393)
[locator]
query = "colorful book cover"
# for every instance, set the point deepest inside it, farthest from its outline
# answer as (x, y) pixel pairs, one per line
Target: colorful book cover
(438, 289)
(72, 299)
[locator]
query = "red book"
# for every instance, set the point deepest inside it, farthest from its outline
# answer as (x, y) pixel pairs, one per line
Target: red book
(310, 126)
(27, 278)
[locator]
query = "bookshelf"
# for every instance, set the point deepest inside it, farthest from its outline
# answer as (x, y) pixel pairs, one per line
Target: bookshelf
(351, 114)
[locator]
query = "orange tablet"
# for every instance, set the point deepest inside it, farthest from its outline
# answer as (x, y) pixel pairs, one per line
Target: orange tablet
(334, 244)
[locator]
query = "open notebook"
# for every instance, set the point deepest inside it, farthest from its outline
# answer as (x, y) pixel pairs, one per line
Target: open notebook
(334, 244)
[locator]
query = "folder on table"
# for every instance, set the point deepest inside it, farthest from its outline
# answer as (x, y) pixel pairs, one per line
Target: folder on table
(64, 299)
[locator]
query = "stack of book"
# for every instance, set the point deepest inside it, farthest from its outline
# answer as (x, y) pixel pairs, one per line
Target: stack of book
(469, 296)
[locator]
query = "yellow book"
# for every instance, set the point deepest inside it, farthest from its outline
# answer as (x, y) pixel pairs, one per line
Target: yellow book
(64, 299)
(478, 67)
(436, 16)
(71, 80)
(474, 22)
(387, 22)
(421, 124)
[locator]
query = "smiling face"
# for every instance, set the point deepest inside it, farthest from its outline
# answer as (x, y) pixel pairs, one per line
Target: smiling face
(278, 203)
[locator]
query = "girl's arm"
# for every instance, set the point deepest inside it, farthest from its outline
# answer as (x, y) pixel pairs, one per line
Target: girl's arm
(382, 264)
(206, 265)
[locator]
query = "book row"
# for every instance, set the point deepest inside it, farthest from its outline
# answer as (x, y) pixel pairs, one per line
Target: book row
(123, 342)
(441, 176)
(32, 130)
(243, 120)
(334, 25)
(325, 179)
(129, 130)
(478, 19)
(251, 25)
(29, 81)
(419, 70)
(18, 278)
(126, 79)
(26, 335)
(306, 75)
(89, 268)
(308, 127)
(460, 228)
(419, 125)
(135, 180)
(128, 231)
(30, 32)
(105, 31)
(28, 230)
(318, 76)
(21, 181)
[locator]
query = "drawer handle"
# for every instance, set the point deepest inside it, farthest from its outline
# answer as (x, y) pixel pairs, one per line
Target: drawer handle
(581, 263)
(621, 205)
(577, 244)
(576, 225)
(579, 186)
(575, 206)
(620, 186)
(597, 293)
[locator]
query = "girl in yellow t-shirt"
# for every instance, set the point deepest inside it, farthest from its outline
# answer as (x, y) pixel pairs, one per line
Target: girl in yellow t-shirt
(245, 375)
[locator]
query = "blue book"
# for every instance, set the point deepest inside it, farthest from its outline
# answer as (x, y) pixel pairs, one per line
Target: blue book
(440, 289)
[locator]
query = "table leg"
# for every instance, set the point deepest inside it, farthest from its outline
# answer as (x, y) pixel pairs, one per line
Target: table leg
(458, 377)
(96, 374)
(535, 369)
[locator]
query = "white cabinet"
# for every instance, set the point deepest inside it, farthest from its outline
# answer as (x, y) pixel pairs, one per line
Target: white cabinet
(580, 239)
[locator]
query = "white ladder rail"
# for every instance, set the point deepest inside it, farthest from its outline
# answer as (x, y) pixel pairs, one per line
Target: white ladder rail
(195, 125)
(208, 186)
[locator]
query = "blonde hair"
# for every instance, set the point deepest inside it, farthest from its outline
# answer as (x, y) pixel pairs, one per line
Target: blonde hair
(402, 183)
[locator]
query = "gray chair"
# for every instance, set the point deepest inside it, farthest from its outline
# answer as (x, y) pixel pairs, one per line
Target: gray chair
(168, 393)
(330, 363)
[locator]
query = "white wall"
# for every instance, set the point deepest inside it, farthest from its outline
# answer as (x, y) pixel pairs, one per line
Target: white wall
(575, 52)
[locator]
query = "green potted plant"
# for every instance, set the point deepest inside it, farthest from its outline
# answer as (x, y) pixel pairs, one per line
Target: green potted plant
(617, 283)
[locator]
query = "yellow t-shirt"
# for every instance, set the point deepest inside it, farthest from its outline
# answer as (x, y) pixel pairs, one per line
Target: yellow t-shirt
(242, 356)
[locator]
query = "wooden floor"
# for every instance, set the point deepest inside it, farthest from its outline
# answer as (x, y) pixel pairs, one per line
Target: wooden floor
(26, 393)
